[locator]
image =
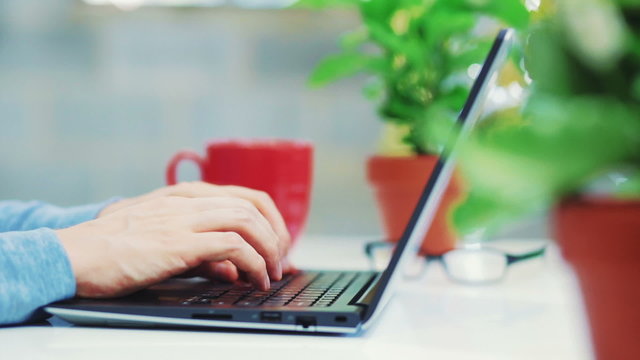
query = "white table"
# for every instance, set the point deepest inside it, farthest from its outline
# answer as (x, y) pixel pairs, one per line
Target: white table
(534, 314)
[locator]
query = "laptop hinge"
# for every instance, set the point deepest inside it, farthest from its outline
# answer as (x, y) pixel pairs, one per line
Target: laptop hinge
(365, 298)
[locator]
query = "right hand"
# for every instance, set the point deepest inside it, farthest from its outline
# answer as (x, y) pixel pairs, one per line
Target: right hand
(145, 243)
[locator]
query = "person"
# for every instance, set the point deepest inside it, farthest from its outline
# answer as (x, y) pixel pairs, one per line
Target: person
(48, 253)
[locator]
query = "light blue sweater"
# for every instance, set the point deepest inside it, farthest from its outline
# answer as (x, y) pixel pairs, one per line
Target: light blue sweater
(34, 268)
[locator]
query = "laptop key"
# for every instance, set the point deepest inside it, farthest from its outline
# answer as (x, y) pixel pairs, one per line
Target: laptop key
(237, 293)
(227, 301)
(202, 301)
(313, 292)
(274, 303)
(249, 303)
(300, 303)
(210, 297)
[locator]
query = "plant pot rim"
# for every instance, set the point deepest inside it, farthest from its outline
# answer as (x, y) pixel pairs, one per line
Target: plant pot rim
(589, 200)
(400, 169)
(402, 157)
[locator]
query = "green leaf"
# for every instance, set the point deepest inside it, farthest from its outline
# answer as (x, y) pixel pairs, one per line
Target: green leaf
(393, 44)
(338, 66)
(400, 111)
(546, 60)
(374, 89)
(455, 98)
(445, 22)
(433, 129)
(475, 53)
(379, 11)
(352, 40)
(384, 37)
(323, 4)
(630, 188)
(481, 211)
(512, 12)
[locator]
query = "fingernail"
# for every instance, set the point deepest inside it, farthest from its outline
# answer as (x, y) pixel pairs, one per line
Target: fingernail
(266, 284)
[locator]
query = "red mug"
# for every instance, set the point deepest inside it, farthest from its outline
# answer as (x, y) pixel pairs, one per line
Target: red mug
(281, 168)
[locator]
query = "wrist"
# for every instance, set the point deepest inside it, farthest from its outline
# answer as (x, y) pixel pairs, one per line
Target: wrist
(114, 205)
(78, 252)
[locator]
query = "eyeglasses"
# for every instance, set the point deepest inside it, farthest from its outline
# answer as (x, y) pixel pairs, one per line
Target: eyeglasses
(471, 265)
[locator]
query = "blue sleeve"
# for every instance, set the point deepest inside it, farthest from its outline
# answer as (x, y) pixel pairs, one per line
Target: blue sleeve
(34, 271)
(21, 216)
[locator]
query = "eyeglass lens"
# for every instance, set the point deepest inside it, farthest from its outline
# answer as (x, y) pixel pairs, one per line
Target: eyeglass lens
(475, 265)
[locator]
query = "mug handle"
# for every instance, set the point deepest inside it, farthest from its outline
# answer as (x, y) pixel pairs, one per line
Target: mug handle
(177, 158)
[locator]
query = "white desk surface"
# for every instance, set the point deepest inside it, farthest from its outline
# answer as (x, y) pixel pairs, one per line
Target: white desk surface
(534, 314)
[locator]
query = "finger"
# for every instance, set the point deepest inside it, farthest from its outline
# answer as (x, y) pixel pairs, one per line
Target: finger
(193, 190)
(250, 224)
(263, 202)
(228, 214)
(224, 270)
(221, 246)
(224, 214)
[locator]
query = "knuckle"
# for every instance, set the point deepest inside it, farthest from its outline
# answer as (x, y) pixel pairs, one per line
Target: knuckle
(245, 204)
(161, 202)
(174, 200)
(286, 243)
(198, 183)
(244, 217)
(135, 218)
(183, 184)
(272, 250)
(234, 241)
(263, 196)
(179, 187)
(259, 264)
(185, 187)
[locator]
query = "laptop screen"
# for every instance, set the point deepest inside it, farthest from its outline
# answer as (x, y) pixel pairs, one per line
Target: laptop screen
(423, 214)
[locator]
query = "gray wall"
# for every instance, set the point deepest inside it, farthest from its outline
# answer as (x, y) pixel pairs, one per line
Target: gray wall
(94, 101)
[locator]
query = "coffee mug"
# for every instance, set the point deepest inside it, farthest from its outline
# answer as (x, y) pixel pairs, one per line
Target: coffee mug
(281, 168)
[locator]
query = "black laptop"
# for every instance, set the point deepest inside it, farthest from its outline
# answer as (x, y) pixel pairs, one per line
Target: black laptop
(308, 301)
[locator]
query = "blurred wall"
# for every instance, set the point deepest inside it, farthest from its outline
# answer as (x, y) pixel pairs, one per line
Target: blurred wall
(94, 101)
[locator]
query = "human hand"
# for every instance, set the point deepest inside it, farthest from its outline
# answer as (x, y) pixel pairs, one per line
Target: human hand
(144, 243)
(198, 189)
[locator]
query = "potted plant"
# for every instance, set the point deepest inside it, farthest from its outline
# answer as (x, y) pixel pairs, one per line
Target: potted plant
(576, 150)
(419, 52)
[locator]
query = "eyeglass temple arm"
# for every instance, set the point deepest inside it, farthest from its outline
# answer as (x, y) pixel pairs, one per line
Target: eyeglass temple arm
(511, 259)
(371, 246)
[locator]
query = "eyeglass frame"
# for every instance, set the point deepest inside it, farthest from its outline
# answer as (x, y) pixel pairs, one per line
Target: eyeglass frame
(510, 257)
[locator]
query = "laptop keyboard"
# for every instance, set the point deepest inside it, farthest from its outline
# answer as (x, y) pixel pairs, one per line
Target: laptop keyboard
(299, 290)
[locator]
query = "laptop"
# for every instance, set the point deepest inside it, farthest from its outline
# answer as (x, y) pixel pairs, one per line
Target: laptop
(340, 302)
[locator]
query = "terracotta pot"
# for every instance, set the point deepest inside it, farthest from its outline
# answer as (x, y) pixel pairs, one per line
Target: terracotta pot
(398, 183)
(600, 238)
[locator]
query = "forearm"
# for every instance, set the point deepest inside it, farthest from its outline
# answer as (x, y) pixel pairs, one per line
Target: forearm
(23, 216)
(34, 271)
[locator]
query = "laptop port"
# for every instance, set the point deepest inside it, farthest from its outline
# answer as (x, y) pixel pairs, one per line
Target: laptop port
(341, 319)
(212, 316)
(271, 316)
(306, 321)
